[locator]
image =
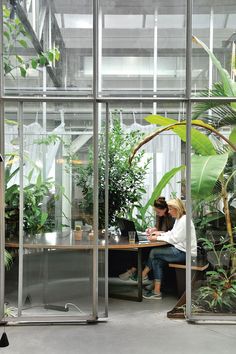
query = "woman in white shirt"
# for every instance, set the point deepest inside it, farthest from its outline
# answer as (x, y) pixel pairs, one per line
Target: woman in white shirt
(175, 252)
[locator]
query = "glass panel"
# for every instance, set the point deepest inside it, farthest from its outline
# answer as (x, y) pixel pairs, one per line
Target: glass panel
(213, 197)
(214, 26)
(57, 245)
(12, 189)
(143, 48)
(131, 187)
(45, 46)
(213, 286)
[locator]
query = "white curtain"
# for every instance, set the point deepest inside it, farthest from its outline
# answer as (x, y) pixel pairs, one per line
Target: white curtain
(37, 157)
(165, 151)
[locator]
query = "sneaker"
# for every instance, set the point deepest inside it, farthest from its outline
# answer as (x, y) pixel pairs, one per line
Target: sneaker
(152, 295)
(126, 276)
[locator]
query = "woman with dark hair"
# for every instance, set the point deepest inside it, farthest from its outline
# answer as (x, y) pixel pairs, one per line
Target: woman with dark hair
(164, 223)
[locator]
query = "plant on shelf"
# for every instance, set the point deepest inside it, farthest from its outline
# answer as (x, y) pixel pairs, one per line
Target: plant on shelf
(14, 34)
(126, 184)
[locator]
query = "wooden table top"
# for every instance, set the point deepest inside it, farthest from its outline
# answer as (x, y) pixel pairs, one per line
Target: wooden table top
(55, 240)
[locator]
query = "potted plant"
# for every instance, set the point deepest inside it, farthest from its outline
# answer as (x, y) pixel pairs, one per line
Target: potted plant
(78, 232)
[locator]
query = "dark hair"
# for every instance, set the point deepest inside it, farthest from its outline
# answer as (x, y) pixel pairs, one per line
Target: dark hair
(160, 203)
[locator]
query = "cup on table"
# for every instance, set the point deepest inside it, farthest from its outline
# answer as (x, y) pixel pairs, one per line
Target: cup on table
(132, 236)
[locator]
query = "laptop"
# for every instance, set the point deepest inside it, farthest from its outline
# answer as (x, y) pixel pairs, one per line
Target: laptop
(126, 225)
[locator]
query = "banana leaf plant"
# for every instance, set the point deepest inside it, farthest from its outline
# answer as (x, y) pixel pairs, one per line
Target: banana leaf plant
(207, 165)
(221, 113)
(144, 218)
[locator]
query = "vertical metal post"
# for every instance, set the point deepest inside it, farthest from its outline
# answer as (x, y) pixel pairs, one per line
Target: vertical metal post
(2, 182)
(34, 16)
(188, 154)
(106, 206)
(21, 207)
(155, 60)
(211, 47)
(95, 156)
(2, 218)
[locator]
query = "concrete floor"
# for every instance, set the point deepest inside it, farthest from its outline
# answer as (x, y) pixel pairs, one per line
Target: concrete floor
(141, 328)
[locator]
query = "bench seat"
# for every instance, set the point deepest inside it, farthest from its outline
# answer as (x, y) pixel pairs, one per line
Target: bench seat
(200, 267)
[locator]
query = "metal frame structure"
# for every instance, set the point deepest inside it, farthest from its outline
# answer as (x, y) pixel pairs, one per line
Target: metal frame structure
(97, 99)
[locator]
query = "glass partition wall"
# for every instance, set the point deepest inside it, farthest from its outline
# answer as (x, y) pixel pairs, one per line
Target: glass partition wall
(81, 68)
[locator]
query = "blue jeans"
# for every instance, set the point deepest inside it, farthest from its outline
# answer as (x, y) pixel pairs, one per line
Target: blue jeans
(159, 257)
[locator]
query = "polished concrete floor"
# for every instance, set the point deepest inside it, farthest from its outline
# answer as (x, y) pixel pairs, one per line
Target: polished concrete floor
(140, 328)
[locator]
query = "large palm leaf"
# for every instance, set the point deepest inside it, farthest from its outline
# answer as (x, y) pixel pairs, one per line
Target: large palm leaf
(221, 113)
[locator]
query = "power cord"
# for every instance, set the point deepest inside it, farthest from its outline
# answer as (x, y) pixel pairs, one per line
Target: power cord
(73, 305)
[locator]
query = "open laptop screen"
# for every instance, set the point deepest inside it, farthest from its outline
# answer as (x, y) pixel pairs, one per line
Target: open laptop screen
(125, 226)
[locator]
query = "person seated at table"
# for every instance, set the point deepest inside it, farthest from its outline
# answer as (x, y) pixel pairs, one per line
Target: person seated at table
(164, 222)
(174, 252)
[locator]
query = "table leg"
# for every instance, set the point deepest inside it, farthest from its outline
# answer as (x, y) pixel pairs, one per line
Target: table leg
(140, 290)
(45, 275)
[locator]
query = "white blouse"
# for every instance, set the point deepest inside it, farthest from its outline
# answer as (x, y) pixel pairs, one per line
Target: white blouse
(177, 236)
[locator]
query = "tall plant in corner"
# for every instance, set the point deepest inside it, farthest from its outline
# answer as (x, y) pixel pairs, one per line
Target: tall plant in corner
(220, 115)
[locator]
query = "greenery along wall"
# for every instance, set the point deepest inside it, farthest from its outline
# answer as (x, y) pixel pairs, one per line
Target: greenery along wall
(35, 218)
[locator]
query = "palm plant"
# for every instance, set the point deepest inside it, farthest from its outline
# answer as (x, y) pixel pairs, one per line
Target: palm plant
(221, 113)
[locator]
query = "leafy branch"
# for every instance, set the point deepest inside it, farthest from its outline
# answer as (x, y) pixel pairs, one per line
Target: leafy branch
(15, 34)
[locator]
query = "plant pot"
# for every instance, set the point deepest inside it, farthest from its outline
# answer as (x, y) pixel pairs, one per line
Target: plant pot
(78, 235)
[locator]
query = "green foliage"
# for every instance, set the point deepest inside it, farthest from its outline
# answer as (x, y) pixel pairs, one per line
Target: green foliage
(144, 218)
(7, 259)
(199, 141)
(205, 173)
(15, 34)
(35, 219)
(125, 181)
(221, 113)
(219, 292)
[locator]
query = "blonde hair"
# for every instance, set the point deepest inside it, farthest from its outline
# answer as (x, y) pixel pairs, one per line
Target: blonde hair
(178, 205)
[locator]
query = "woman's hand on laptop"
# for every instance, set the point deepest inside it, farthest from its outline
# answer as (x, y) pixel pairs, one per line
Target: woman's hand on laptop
(154, 236)
(150, 230)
